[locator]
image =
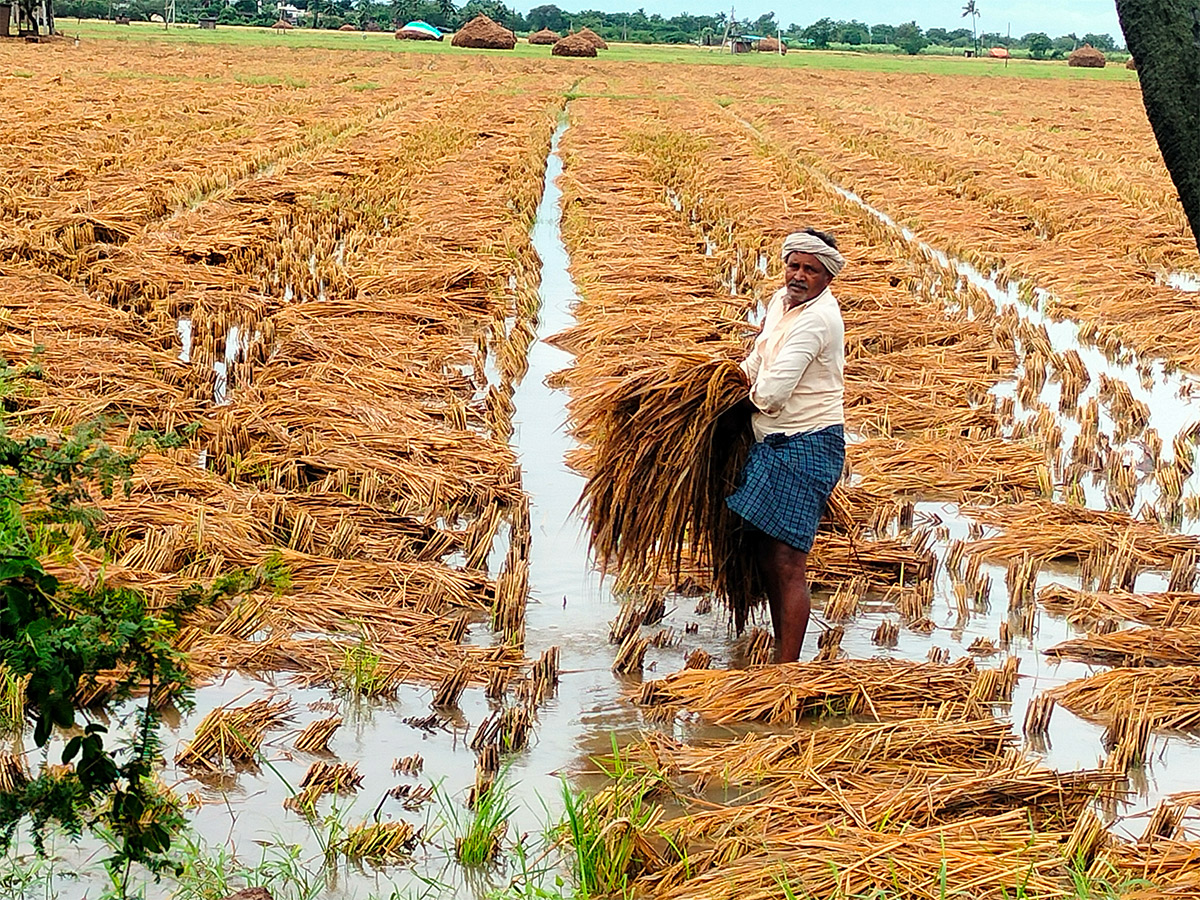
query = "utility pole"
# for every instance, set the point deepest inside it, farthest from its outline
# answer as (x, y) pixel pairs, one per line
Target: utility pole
(728, 28)
(169, 15)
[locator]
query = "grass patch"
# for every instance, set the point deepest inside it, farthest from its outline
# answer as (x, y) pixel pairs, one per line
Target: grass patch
(287, 80)
(366, 86)
(361, 672)
(607, 834)
(479, 843)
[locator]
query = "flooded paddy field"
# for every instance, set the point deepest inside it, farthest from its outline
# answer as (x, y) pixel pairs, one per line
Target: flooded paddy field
(357, 292)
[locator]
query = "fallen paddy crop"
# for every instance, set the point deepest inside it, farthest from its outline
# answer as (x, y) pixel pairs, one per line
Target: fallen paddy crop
(1048, 216)
(368, 294)
(1165, 695)
(1135, 647)
(1170, 608)
(784, 694)
(925, 391)
(332, 414)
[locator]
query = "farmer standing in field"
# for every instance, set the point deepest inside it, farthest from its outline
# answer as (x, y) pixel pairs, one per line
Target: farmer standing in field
(795, 371)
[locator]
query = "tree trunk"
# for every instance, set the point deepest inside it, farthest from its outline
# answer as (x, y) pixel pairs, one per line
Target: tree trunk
(1164, 38)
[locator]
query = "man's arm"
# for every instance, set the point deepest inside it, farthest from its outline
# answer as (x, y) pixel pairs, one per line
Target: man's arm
(773, 385)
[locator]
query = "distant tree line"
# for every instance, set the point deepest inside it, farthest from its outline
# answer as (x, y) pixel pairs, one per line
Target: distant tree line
(636, 26)
(909, 37)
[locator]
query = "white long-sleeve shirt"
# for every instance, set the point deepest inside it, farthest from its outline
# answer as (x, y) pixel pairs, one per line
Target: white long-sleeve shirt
(796, 367)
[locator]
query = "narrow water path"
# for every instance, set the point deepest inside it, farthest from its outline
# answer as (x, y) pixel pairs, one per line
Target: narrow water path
(571, 604)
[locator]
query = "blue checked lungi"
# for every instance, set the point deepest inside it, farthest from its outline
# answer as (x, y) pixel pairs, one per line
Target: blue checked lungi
(786, 482)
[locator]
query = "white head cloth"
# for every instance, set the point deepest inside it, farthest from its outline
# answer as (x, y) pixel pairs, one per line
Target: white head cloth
(802, 242)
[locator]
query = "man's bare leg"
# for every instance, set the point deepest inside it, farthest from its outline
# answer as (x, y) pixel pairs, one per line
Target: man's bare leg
(785, 571)
(770, 576)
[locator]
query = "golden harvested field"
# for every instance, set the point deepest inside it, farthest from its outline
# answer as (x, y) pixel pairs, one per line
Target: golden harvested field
(314, 270)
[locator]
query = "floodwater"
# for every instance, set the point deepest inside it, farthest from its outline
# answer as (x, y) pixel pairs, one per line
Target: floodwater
(1071, 742)
(570, 608)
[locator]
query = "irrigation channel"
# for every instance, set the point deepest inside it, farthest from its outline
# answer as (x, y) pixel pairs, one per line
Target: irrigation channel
(241, 815)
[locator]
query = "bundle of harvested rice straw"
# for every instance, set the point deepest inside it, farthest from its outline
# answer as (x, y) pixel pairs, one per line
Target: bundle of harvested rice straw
(667, 439)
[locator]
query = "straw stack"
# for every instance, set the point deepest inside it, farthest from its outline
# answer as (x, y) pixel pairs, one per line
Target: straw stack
(592, 38)
(1088, 57)
(482, 33)
(573, 45)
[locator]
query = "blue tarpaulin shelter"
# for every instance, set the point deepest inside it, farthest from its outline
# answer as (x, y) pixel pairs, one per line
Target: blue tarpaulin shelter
(423, 30)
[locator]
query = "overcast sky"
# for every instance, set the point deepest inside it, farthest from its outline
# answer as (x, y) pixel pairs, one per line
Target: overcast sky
(1054, 17)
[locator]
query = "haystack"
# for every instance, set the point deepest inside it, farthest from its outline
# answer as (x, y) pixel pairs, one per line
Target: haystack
(998, 53)
(1087, 57)
(1131, 64)
(545, 36)
(573, 45)
(283, 25)
(482, 33)
(597, 41)
(770, 45)
(348, 27)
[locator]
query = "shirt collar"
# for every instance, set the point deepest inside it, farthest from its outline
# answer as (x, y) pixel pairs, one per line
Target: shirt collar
(806, 303)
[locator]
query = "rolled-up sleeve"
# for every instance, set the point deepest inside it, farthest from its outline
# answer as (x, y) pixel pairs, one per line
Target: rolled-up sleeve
(773, 384)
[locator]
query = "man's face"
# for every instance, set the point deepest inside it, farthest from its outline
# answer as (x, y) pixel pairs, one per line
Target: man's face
(805, 277)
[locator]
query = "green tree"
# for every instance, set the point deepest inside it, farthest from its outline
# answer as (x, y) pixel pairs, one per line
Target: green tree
(765, 25)
(853, 32)
(1101, 41)
(909, 38)
(819, 33)
(1039, 44)
(1066, 42)
(883, 34)
(548, 16)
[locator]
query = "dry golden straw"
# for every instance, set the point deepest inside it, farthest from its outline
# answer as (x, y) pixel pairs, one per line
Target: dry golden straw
(784, 694)
(667, 443)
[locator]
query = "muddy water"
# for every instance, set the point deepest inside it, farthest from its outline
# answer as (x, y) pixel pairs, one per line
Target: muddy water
(571, 605)
(1168, 393)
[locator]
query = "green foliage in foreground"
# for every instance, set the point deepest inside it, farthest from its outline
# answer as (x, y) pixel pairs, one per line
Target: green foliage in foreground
(57, 639)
